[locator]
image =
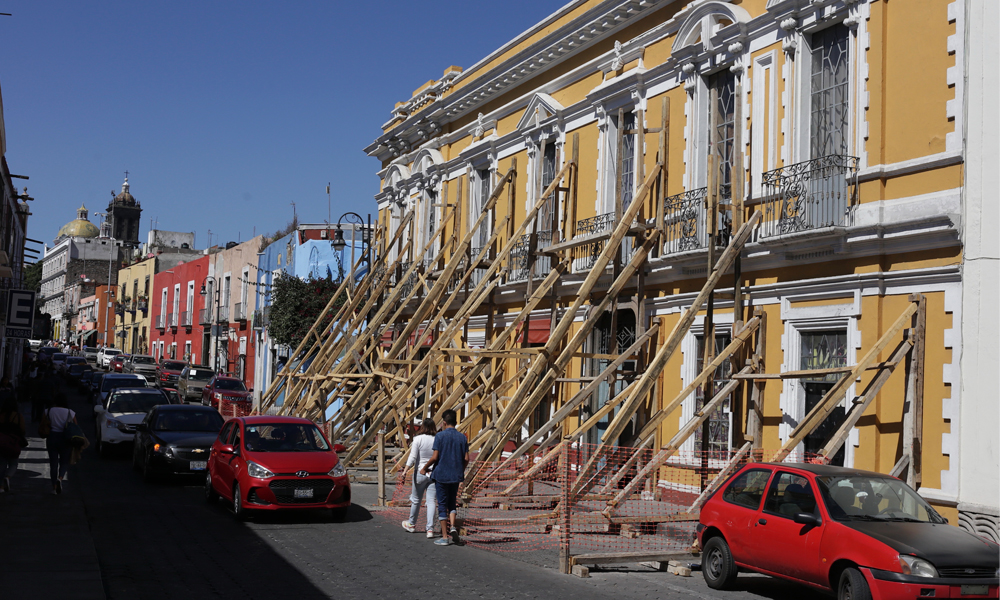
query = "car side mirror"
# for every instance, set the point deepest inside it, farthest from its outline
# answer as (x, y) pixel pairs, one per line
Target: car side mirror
(338, 448)
(807, 519)
(226, 449)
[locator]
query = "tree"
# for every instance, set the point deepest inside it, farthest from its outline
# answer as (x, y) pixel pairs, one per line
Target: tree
(296, 304)
(33, 277)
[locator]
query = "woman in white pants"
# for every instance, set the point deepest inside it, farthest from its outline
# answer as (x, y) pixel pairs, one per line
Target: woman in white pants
(420, 453)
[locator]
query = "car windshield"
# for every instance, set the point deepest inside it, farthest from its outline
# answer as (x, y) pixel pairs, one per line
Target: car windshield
(136, 402)
(172, 365)
(89, 349)
(285, 437)
(867, 498)
(189, 420)
(111, 383)
(200, 374)
(143, 360)
(230, 384)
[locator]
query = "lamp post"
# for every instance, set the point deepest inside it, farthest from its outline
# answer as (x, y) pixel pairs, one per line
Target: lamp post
(215, 324)
(338, 243)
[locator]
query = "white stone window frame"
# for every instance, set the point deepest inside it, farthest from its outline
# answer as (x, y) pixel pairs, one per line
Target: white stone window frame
(428, 182)
(632, 100)
(798, 48)
(484, 161)
(395, 193)
(552, 134)
(803, 319)
(723, 323)
(176, 307)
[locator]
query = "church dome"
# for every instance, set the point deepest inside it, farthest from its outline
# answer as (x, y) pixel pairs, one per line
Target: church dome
(125, 198)
(79, 227)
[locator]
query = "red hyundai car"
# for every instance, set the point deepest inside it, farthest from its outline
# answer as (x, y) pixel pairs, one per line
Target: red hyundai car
(277, 463)
(858, 534)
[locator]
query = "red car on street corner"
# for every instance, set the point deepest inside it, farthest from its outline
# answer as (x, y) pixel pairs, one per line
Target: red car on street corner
(858, 534)
(223, 388)
(277, 463)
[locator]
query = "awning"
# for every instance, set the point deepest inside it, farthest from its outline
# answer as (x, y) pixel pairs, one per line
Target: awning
(538, 331)
(419, 333)
(388, 336)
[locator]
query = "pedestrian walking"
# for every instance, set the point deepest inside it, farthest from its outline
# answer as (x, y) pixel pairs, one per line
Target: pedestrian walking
(56, 420)
(421, 451)
(12, 440)
(449, 459)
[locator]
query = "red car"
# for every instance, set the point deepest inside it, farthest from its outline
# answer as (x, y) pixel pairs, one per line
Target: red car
(276, 463)
(225, 388)
(168, 371)
(855, 533)
(117, 363)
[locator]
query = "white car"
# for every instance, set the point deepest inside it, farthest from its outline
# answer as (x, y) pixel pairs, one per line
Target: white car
(114, 381)
(121, 412)
(104, 356)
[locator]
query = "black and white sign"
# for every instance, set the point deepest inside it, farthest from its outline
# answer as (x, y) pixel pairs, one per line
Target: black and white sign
(20, 313)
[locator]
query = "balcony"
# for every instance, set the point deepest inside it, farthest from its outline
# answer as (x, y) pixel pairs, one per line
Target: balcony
(172, 317)
(521, 255)
(205, 316)
(685, 219)
(240, 312)
(142, 304)
(161, 321)
(814, 194)
(223, 316)
(261, 318)
(186, 318)
(584, 257)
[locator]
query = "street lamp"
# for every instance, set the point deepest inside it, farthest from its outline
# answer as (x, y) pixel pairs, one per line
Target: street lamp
(338, 243)
(215, 325)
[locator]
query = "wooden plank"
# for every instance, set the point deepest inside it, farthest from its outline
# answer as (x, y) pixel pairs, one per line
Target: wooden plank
(915, 471)
(611, 558)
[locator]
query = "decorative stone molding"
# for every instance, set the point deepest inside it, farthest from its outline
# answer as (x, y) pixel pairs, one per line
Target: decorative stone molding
(736, 48)
(790, 43)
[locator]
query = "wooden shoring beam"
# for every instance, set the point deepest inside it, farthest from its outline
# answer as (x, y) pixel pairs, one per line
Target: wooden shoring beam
(825, 406)
(661, 457)
(625, 468)
(913, 427)
(861, 404)
(653, 370)
(723, 474)
(542, 372)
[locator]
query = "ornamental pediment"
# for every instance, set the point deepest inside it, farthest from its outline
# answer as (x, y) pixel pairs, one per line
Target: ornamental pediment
(540, 107)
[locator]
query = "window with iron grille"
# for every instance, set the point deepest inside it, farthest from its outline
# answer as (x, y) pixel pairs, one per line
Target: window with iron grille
(548, 174)
(829, 92)
(431, 213)
(720, 421)
(628, 160)
(721, 141)
(481, 193)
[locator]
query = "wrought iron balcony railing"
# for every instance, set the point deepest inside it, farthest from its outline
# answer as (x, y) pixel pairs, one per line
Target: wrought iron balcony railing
(173, 319)
(261, 317)
(161, 321)
(685, 218)
(186, 318)
(585, 256)
(821, 192)
(240, 312)
(205, 316)
(520, 258)
(223, 316)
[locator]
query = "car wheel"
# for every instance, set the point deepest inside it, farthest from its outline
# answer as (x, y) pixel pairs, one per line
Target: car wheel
(853, 586)
(339, 514)
(717, 564)
(238, 509)
(211, 496)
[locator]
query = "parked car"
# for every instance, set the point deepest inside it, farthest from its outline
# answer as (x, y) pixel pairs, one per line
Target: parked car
(117, 364)
(276, 463)
(855, 533)
(76, 372)
(192, 381)
(168, 372)
(59, 361)
(113, 381)
(90, 353)
(175, 440)
(93, 382)
(225, 388)
(142, 364)
(104, 356)
(69, 361)
(121, 412)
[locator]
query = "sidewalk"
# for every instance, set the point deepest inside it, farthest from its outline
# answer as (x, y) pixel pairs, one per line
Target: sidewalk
(46, 548)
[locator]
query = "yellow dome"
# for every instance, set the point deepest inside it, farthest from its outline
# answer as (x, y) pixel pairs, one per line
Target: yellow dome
(79, 227)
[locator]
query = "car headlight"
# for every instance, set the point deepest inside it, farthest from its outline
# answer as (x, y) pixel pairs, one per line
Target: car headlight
(912, 565)
(338, 470)
(217, 396)
(257, 472)
(163, 449)
(113, 424)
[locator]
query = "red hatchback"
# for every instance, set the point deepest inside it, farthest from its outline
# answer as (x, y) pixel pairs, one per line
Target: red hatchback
(229, 389)
(276, 463)
(856, 533)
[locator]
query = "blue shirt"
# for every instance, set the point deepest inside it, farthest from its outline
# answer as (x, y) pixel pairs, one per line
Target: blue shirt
(451, 446)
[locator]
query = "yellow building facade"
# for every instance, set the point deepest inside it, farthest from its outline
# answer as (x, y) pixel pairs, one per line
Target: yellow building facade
(133, 307)
(840, 121)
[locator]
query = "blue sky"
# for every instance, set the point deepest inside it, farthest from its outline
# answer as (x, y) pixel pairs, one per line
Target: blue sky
(224, 113)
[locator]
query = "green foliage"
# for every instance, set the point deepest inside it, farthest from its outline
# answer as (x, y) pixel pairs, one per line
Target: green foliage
(296, 304)
(33, 277)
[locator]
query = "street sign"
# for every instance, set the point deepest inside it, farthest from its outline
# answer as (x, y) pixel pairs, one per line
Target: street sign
(20, 313)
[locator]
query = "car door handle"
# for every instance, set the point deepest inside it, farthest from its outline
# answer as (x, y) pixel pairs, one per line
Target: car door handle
(762, 521)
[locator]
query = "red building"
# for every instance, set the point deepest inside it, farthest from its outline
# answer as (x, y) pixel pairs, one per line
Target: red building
(179, 326)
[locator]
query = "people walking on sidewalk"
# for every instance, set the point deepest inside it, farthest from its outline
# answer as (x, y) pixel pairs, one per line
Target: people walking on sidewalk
(450, 457)
(12, 439)
(420, 452)
(57, 419)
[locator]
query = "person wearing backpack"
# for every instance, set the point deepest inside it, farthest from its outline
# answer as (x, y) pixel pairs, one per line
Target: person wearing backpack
(56, 420)
(12, 440)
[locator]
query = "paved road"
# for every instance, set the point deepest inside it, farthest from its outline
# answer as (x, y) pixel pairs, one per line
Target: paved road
(112, 536)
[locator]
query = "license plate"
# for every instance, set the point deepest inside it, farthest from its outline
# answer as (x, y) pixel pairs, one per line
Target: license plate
(199, 465)
(975, 590)
(303, 493)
